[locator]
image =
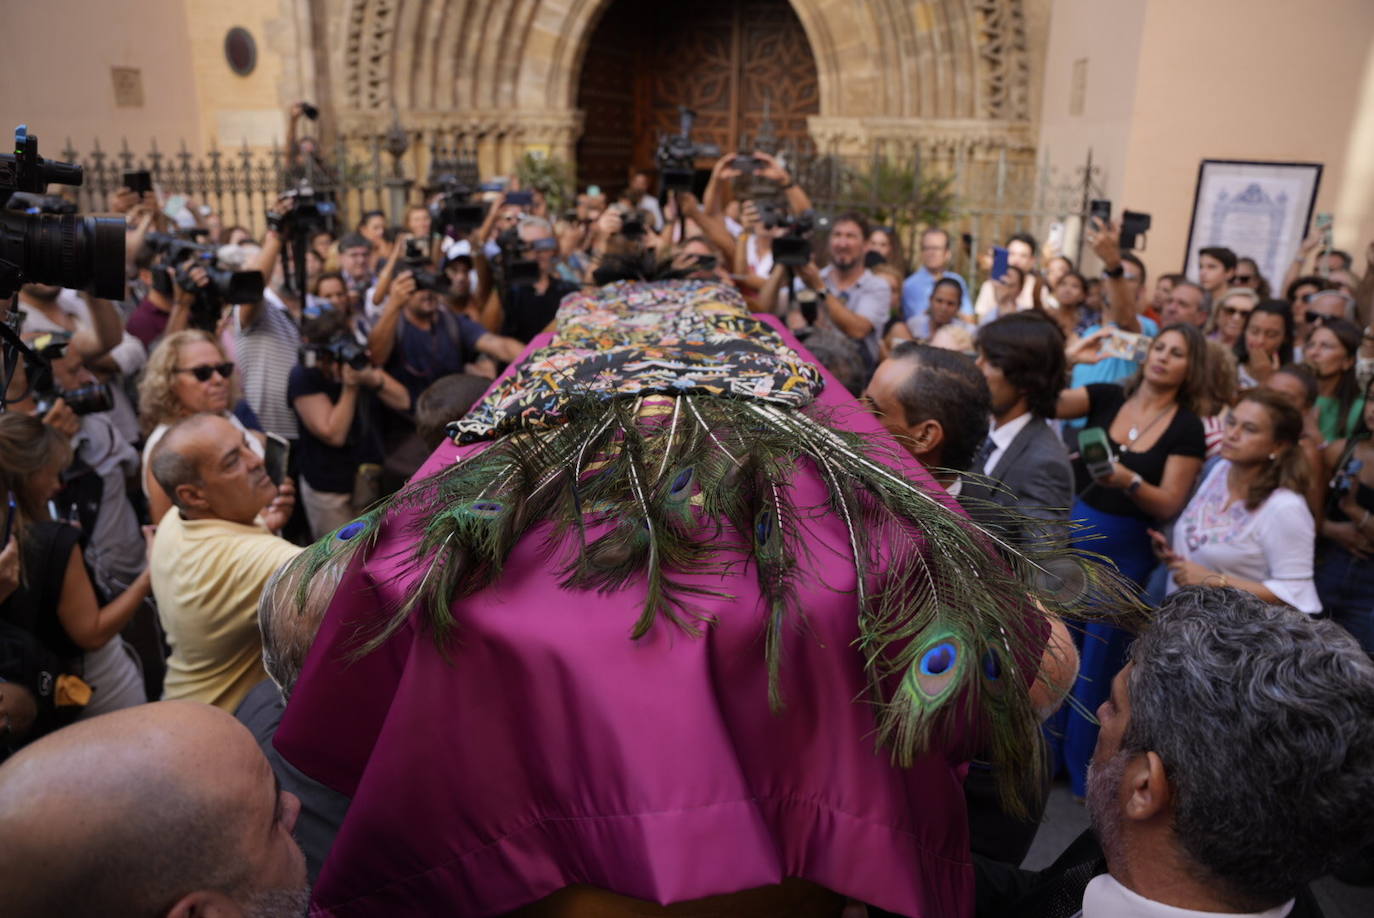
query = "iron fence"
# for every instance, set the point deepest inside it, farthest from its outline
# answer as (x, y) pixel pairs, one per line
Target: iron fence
(980, 197)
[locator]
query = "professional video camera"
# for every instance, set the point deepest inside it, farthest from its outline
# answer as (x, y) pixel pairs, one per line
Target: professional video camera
(29, 203)
(342, 349)
(310, 214)
(416, 261)
(678, 154)
(514, 269)
(793, 248)
(54, 248)
(230, 287)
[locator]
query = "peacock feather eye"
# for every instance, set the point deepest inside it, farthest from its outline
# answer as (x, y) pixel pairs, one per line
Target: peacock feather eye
(763, 527)
(349, 531)
(681, 488)
(992, 666)
(934, 675)
(486, 508)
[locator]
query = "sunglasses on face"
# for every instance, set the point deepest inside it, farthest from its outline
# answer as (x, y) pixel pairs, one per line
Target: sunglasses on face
(1320, 318)
(1234, 311)
(1245, 278)
(203, 372)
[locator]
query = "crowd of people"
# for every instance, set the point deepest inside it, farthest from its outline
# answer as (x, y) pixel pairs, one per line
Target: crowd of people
(1210, 436)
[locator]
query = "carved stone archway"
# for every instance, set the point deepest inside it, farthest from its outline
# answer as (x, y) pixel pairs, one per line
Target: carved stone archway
(939, 74)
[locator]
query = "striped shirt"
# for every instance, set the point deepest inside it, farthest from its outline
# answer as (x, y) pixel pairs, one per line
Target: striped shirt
(266, 351)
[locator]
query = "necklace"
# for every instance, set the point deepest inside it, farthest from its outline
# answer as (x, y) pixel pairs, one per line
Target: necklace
(1135, 433)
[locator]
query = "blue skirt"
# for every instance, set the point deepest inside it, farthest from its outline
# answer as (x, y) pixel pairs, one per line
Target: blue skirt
(1072, 736)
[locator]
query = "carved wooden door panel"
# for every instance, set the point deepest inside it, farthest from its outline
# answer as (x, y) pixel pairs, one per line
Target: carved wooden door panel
(728, 61)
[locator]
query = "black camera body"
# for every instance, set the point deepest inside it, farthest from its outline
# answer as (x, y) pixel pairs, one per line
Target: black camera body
(416, 261)
(60, 247)
(678, 153)
(310, 213)
(342, 349)
(793, 248)
(88, 399)
(30, 203)
(225, 286)
(516, 271)
(1133, 226)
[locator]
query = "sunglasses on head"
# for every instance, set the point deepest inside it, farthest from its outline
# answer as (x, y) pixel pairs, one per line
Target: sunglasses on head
(203, 372)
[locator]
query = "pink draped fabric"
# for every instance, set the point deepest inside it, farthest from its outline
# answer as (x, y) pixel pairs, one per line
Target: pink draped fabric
(552, 749)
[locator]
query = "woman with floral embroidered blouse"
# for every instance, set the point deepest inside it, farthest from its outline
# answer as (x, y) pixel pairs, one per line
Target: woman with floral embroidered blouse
(1248, 526)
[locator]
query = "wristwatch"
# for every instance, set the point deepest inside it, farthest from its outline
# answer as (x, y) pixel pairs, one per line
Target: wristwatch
(1114, 273)
(1136, 482)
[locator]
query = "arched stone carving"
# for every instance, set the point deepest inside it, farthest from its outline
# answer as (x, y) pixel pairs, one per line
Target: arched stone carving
(893, 68)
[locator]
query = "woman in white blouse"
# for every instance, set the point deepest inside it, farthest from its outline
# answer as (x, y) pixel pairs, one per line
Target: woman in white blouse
(1248, 525)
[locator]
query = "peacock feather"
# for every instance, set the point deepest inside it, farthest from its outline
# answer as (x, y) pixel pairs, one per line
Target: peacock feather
(633, 484)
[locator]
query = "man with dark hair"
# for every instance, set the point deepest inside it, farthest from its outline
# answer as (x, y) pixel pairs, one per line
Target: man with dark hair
(857, 301)
(1235, 765)
(1022, 358)
(917, 288)
(1216, 271)
(355, 264)
(165, 809)
(936, 403)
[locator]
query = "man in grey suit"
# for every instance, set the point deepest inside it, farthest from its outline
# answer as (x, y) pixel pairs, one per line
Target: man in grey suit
(1022, 359)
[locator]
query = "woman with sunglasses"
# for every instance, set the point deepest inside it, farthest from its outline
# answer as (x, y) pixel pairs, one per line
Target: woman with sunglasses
(1248, 275)
(187, 374)
(1228, 317)
(1332, 349)
(1266, 343)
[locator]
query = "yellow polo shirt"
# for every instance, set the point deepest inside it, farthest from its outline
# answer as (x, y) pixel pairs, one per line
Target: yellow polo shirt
(207, 578)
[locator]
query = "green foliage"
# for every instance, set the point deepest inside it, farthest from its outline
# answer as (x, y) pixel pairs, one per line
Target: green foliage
(551, 176)
(900, 194)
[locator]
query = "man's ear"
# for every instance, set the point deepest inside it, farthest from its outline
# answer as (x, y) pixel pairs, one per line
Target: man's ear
(1147, 787)
(926, 439)
(205, 904)
(191, 496)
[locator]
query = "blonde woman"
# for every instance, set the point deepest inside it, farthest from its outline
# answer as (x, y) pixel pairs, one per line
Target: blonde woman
(186, 374)
(1229, 315)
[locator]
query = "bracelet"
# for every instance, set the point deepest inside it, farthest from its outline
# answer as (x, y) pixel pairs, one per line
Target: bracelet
(1222, 577)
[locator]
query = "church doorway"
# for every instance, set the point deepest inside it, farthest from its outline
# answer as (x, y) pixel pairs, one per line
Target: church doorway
(730, 61)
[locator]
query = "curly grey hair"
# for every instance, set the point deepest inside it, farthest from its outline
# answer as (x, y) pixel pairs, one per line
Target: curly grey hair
(1264, 719)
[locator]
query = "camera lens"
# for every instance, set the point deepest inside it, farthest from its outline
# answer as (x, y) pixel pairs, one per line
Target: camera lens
(66, 250)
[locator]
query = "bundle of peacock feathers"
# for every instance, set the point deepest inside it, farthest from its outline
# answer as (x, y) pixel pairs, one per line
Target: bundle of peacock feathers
(658, 434)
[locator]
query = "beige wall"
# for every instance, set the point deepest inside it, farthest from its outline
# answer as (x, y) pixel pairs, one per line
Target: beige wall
(58, 55)
(1172, 82)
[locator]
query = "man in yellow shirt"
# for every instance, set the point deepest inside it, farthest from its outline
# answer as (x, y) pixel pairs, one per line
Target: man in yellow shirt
(211, 559)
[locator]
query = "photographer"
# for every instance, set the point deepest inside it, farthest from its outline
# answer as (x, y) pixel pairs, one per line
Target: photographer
(94, 334)
(856, 300)
(417, 340)
(335, 393)
(523, 310)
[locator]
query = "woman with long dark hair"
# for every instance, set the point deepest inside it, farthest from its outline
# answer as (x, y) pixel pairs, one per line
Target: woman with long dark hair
(1156, 445)
(1265, 344)
(58, 603)
(1248, 525)
(1331, 351)
(1345, 556)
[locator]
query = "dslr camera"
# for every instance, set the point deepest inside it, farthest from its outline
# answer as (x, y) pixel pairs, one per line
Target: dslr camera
(310, 213)
(678, 153)
(87, 399)
(416, 261)
(793, 248)
(342, 349)
(46, 242)
(515, 269)
(224, 287)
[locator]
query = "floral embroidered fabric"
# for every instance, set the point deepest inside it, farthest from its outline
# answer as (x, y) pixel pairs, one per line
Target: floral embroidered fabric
(632, 339)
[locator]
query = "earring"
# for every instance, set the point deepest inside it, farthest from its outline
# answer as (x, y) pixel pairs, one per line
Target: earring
(1273, 456)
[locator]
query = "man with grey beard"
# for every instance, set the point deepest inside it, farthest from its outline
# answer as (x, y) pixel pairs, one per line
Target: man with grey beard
(1235, 765)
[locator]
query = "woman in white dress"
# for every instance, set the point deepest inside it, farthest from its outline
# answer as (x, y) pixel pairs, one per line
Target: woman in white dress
(1248, 526)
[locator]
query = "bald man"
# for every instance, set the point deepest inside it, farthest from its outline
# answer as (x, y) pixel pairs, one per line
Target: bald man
(166, 809)
(211, 558)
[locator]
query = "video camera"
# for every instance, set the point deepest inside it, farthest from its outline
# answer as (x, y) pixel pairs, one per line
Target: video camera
(224, 286)
(416, 261)
(678, 153)
(309, 215)
(88, 399)
(516, 270)
(456, 215)
(342, 349)
(29, 203)
(53, 247)
(793, 248)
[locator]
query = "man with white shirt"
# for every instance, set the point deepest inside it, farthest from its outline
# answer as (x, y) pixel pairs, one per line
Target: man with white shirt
(1235, 765)
(1022, 359)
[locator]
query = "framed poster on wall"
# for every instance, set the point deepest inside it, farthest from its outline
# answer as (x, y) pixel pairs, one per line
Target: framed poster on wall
(1257, 210)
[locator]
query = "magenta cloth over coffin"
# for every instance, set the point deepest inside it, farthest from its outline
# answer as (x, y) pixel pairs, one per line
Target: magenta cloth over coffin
(554, 750)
